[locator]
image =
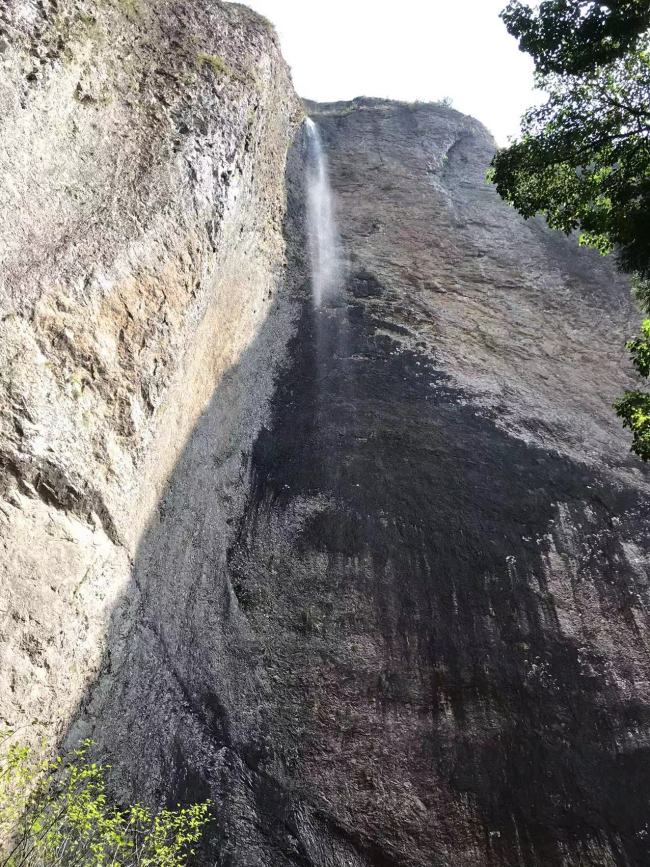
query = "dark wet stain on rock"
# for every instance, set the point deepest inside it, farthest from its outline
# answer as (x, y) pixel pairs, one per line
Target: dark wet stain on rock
(389, 512)
(363, 284)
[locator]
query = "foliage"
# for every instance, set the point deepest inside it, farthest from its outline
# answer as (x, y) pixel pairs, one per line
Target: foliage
(641, 291)
(640, 349)
(56, 812)
(574, 36)
(216, 64)
(634, 409)
(634, 406)
(445, 102)
(583, 159)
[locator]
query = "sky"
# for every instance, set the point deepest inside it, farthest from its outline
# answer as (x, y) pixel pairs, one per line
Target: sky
(407, 49)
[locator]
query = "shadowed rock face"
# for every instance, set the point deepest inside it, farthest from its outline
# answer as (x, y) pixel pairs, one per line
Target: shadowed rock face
(444, 553)
(407, 624)
(389, 606)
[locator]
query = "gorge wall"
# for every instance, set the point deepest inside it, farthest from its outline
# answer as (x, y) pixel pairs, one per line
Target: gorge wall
(142, 149)
(372, 575)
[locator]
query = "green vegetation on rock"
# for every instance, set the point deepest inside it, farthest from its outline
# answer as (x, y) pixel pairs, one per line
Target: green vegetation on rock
(583, 159)
(216, 64)
(57, 812)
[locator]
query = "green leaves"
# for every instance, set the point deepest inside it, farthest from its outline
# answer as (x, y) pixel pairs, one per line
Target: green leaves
(583, 159)
(572, 36)
(640, 349)
(634, 410)
(57, 813)
(634, 407)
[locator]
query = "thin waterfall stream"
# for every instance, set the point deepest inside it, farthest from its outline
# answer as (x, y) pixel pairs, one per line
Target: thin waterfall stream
(331, 334)
(324, 245)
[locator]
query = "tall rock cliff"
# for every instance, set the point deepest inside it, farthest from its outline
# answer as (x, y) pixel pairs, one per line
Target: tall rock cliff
(142, 154)
(372, 575)
(445, 550)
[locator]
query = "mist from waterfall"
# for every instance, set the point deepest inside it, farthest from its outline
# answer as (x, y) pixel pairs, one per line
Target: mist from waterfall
(324, 245)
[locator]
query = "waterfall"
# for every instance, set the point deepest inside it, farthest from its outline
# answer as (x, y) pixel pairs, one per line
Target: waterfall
(324, 248)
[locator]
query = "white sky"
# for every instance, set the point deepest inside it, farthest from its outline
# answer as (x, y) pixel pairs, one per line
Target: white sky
(409, 49)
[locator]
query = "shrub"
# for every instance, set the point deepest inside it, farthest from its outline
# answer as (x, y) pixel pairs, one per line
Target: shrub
(216, 64)
(56, 812)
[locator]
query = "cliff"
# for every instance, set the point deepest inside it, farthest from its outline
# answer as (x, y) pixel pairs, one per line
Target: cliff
(371, 575)
(142, 153)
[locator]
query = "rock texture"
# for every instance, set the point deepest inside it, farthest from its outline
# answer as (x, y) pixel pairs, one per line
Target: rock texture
(142, 152)
(444, 556)
(373, 576)
(468, 534)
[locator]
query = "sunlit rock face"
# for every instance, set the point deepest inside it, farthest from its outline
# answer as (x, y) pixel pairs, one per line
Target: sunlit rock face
(142, 153)
(368, 569)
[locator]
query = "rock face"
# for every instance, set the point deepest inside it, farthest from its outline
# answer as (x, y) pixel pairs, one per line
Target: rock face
(142, 153)
(444, 555)
(372, 576)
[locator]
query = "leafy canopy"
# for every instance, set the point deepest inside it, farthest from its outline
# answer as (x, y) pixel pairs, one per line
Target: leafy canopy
(574, 36)
(55, 813)
(583, 159)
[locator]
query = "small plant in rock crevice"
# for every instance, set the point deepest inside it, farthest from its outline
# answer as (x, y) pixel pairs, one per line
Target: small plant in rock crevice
(214, 62)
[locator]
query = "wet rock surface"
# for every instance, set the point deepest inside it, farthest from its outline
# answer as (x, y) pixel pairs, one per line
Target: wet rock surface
(453, 618)
(444, 555)
(407, 624)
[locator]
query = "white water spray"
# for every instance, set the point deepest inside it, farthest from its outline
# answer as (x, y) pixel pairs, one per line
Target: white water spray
(324, 248)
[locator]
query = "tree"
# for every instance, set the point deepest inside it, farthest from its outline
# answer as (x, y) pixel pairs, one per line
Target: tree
(574, 36)
(57, 812)
(583, 159)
